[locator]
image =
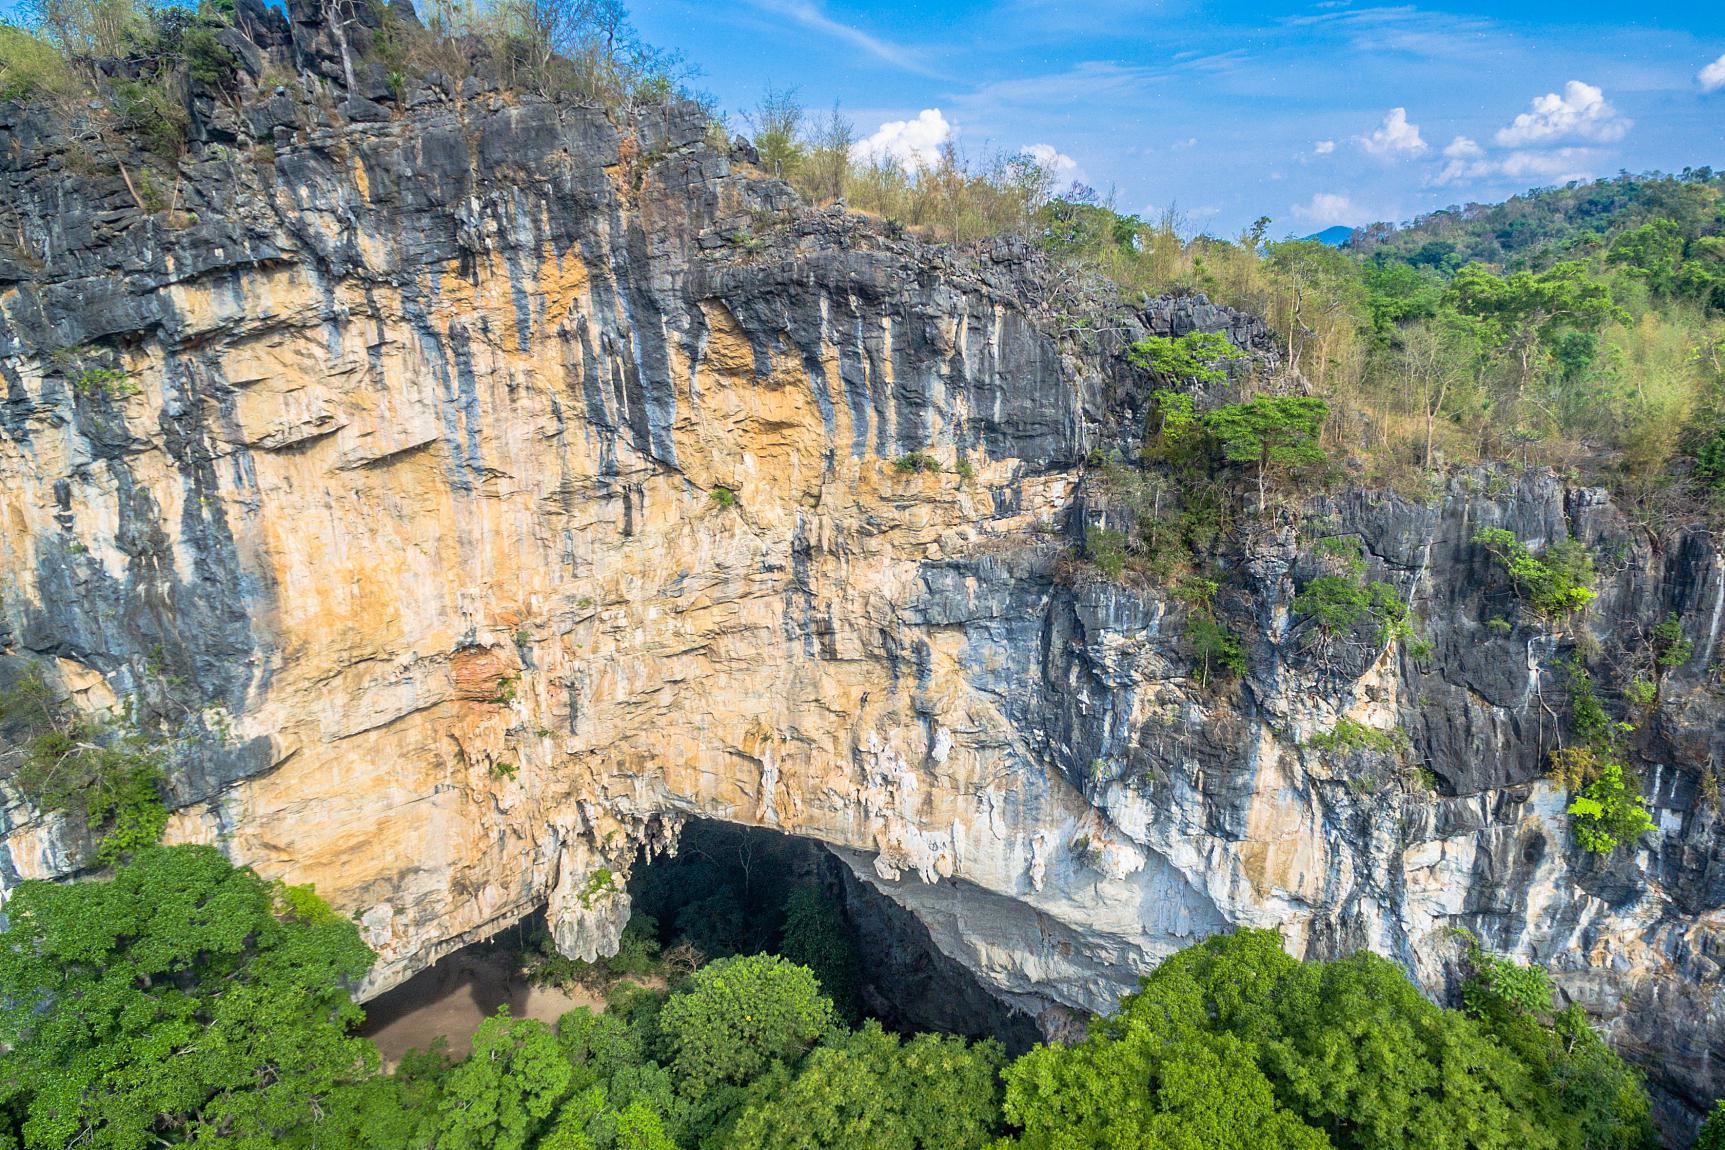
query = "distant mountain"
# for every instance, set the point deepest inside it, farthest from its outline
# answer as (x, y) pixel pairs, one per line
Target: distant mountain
(1334, 236)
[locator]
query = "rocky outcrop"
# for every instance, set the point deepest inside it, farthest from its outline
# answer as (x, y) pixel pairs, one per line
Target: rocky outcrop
(495, 484)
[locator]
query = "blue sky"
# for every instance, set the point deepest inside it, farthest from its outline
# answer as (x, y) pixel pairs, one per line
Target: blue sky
(1313, 114)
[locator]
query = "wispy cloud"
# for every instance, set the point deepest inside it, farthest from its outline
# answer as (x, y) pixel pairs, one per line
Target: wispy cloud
(813, 18)
(1087, 80)
(1466, 160)
(1712, 77)
(1326, 208)
(1403, 29)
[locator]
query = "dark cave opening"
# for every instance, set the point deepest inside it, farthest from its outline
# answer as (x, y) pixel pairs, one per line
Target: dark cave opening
(726, 891)
(729, 889)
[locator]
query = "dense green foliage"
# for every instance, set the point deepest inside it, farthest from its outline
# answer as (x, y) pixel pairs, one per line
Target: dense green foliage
(1712, 1135)
(181, 999)
(868, 1090)
(739, 1016)
(1557, 584)
(1233, 1043)
(1195, 357)
(1607, 812)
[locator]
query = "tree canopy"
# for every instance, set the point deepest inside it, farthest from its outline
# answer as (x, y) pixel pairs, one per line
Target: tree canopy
(180, 998)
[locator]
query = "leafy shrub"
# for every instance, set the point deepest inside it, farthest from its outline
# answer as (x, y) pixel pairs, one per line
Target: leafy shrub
(1338, 603)
(1106, 548)
(1712, 1133)
(1494, 981)
(1349, 735)
(915, 462)
(1670, 648)
(1607, 812)
(90, 768)
(724, 497)
(30, 67)
(1557, 584)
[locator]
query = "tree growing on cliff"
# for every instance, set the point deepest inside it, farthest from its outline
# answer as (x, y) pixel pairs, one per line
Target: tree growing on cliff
(183, 999)
(90, 767)
(1199, 356)
(1269, 433)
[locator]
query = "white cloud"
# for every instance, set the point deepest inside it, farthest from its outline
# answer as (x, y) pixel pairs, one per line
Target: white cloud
(1557, 165)
(1324, 147)
(1580, 113)
(1712, 77)
(1188, 142)
(1466, 161)
(911, 144)
(1395, 136)
(1058, 164)
(1326, 208)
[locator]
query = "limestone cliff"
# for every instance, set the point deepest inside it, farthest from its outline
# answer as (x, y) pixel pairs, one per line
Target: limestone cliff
(498, 483)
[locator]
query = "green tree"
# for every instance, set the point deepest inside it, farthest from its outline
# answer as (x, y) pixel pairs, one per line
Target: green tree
(1144, 1086)
(1270, 431)
(777, 121)
(1198, 356)
(1651, 253)
(740, 1015)
(1557, 584)
(1527, 311)
(1607, 812)
(865, 1090)
(815, 936)
(501, 1095)
(1712, 1135)
(65, 760)
(1233, 1043)
(182, 999)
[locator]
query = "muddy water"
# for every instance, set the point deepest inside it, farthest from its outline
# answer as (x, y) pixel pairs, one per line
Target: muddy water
(452, 998)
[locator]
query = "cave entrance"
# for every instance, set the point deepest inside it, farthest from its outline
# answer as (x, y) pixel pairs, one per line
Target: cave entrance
(729, 889)
(733, 889)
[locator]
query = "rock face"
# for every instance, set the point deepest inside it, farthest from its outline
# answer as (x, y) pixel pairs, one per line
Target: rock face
(495, 484)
